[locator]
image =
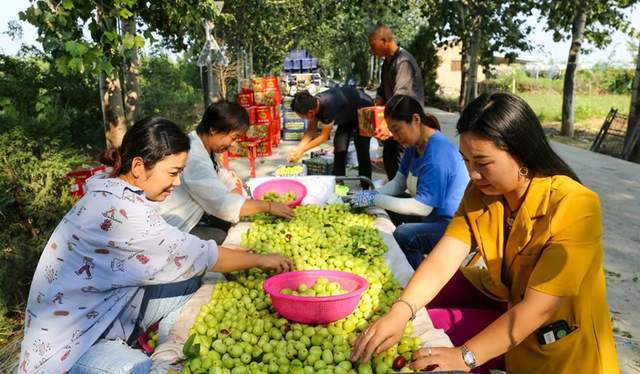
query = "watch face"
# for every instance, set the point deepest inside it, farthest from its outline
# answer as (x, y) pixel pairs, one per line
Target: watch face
(468, 358)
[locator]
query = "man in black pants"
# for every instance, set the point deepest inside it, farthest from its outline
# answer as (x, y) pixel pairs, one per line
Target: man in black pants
(400, 76)
(336, 106)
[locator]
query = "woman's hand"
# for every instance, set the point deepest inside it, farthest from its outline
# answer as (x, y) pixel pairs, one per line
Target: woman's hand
(281, 210)
(295, 156)
(381, 335)
(276, 262)
(443, 359)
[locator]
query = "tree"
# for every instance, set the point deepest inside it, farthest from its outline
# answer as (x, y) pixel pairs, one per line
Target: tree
(60, 29)
(482, 29)
(591, 20)
(633, 126)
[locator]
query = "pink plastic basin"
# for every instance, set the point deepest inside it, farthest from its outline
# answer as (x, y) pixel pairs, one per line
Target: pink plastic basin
(315, 310)
(282, 186)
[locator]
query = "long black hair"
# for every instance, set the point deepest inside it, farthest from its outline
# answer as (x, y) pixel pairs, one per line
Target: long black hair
(403, 107)
(224, 117)
(152, 138)
(511, 124)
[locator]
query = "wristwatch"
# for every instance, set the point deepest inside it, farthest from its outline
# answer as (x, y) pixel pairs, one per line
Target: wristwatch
(468, 357)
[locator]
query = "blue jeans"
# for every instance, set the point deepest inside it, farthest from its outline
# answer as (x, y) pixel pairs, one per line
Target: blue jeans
(160, 303)
(418, 239)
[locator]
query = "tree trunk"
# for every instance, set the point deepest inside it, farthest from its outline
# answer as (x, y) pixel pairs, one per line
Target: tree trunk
(474, 54)
(569, 90)
(633, 125)
(464, 67)
(113, 107)
(131, 74)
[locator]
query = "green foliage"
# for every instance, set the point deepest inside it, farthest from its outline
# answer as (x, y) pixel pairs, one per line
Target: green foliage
(424, 50)
(37, 99)
(34, 195)
(171, 89)
(603, 17)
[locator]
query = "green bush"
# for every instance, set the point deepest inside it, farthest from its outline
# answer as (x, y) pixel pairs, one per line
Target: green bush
(34, 195)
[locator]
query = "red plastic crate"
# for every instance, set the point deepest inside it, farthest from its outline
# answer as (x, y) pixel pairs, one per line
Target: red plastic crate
(79, 178)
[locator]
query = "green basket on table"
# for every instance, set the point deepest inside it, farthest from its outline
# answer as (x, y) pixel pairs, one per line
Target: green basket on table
(319, 166)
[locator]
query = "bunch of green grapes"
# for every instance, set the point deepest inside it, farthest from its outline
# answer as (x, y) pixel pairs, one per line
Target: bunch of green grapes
(277, 198)
(320, 288)
(239, 332)
(289, 171)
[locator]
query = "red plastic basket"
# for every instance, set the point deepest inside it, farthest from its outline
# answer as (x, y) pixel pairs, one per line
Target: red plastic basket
(281, 186)
(315, 310)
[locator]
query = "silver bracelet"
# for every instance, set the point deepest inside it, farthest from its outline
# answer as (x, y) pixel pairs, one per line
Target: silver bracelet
(413, 311)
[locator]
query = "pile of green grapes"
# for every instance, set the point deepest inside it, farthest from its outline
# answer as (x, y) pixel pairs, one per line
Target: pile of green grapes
(277, 198)
(239, 332)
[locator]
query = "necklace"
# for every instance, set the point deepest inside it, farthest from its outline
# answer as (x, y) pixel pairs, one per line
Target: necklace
(511, 217)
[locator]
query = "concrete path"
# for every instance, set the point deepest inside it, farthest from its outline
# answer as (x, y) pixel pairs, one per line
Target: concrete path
(618, 184)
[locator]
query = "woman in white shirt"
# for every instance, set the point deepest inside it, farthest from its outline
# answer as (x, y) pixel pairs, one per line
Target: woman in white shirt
(205, 183)
(113, 266)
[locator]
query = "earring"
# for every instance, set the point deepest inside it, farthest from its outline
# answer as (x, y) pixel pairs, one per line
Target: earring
(523, 171)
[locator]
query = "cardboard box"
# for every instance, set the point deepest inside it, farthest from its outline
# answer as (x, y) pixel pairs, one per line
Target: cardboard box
(246, 99)
(271, 83)
(258, 132)
(264, 113)
(292, 135)
(264, 148)
(253, 119)
(299, 125)
(371, 119)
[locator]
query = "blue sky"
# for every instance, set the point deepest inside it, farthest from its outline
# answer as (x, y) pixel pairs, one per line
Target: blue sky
(547, 50)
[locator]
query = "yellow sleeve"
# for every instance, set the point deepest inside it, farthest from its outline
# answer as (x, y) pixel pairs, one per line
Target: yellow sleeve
(459, 226)
(575, 243)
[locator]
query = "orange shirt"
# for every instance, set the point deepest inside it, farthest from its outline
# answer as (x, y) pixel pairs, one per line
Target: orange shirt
(555, 247)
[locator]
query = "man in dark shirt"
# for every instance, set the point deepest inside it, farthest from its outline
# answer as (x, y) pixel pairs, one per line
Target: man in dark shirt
(337, 106)
(400, 76)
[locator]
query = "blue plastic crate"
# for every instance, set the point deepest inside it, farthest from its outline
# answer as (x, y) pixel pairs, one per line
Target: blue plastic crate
(307, 64)
(288, 64)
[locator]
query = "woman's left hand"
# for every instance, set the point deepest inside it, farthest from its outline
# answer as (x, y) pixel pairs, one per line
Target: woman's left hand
(442, 359)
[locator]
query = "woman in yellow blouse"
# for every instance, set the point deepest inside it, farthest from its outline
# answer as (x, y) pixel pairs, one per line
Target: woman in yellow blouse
(539, 232)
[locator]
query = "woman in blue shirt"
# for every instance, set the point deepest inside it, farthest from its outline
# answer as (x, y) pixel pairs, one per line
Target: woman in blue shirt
(431, 171)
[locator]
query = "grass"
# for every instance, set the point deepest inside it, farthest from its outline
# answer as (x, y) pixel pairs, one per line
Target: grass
(590, 112)
(548, 106)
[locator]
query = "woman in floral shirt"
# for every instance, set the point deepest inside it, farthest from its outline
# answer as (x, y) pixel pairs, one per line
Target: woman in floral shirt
(114, 265)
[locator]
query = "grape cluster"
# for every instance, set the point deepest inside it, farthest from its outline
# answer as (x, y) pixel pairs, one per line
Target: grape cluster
(239, 332)
(277, 198)
(289, 171)
(320, 288)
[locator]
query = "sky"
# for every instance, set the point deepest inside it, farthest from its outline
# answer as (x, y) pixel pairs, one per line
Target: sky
(546, 49)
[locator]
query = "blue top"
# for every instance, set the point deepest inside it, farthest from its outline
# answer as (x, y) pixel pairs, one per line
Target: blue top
(441, 173)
